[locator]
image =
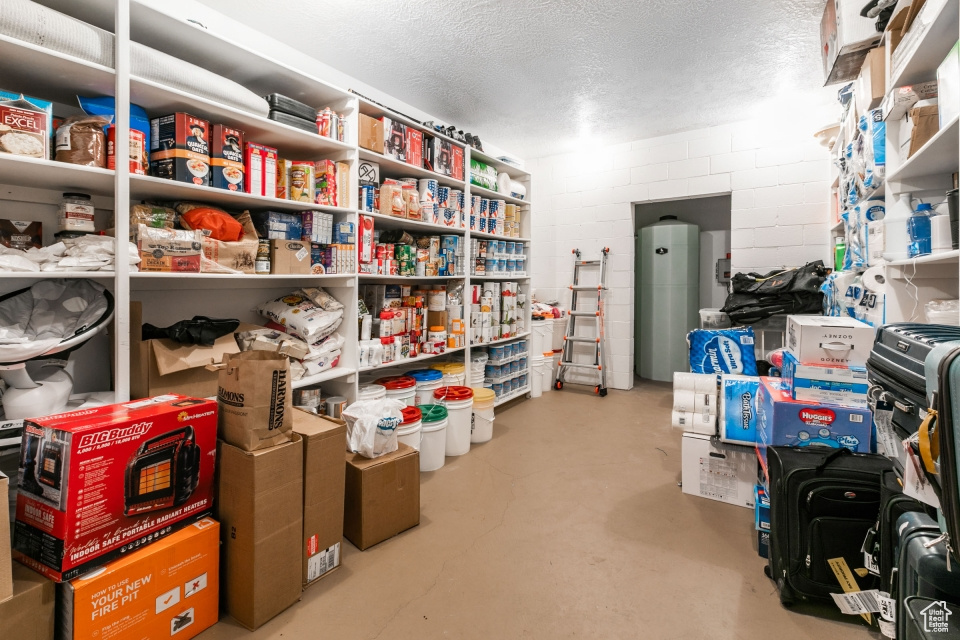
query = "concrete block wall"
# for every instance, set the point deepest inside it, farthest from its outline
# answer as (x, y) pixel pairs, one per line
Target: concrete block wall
(777, 175)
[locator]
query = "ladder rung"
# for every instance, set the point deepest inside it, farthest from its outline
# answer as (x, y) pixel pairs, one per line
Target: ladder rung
(584, 313)
(586, 288)
(580, 339)
(587, 262)
(578, 365)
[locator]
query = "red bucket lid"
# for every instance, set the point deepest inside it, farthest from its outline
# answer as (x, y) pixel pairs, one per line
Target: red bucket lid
(453, 394)
(395, 383)
(410, 414)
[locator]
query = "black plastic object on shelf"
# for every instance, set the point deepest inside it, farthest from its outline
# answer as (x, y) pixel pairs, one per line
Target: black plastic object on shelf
(293, 121)
(283, 104)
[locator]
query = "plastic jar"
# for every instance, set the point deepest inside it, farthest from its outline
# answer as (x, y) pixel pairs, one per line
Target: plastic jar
(436, 300)
(437, 333)
(400, 388)
(433, 436)
(481, 429)
(409, 430)
(459, 404)
(76, 213)
(371, 392)
(428, 380)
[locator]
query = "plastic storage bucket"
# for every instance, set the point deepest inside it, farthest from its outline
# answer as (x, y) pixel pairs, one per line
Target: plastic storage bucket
(409, 430)
(548, 373)
(433, 436)
(559, 329)
(541, 336)
(400, 388)
(482, 428)
(536, 376)
(459, 404)
(428, 380)
(454, 373)
(371, 392)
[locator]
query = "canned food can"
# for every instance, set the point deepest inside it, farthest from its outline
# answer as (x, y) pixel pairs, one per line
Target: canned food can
(443, 197)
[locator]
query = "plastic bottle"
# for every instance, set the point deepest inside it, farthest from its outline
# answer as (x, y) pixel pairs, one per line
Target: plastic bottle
(895, 233)
(918, 228)
(839, 253)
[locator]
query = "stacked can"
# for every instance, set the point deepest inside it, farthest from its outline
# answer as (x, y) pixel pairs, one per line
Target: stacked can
(406, 256)
(484, 213)
(508, 317)
(462, 208)
(429, 201)
(511, 228)
(478, 257)
(474, 213)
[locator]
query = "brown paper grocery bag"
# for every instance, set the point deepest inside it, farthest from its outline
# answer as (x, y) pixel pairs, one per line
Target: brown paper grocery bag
(255, 400)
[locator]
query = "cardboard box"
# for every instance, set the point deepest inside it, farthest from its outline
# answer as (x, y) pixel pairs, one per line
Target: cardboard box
(456, 162)
(948, 82)
(845, 39)
(737, 420)
(323, 490)
(828, 340)
(260, 177)
(871, 83)
(825, 384)
(6, 560)
(21, 234)
(47, 129)
(98, 483)
(30, 613)
(371, 134)
(169, 250)
(180, 146)
(718, 471)
(158, 367)
(394, 139)
(289, 257)
(414, 147)
(226, 158)
(900, 100)
(763, 544)
(260, 509)
(781, 420)
(761, 515)
(382, 496)
(925, 123)
(165, 589)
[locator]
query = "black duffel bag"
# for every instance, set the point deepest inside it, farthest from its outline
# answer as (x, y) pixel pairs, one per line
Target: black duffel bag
(756, 297)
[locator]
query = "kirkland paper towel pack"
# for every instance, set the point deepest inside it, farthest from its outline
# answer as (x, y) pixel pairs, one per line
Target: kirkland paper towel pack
(738, 409)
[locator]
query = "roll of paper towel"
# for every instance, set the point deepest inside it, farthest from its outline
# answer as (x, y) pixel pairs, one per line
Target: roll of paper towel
(704, 423)
(684, 400)
(696, 382)
(705, 403)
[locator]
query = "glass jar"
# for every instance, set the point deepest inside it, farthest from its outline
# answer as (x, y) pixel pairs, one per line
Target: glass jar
(262, 264)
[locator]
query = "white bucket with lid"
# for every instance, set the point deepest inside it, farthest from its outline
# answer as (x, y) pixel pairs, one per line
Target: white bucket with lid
(536, 376)
(409, 430)
(541, 336)
(559, 328)
(454, 373)
(481, 429)
(428, 381)
(459, 404)
(548, 372)
(371, 392)
(433, 437)
(400, 388)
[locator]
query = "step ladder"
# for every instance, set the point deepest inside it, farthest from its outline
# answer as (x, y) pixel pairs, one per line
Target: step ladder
(592, 319)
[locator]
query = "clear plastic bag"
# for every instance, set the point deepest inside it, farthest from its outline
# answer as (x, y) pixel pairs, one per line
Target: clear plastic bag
(372, 426)
(943, 312)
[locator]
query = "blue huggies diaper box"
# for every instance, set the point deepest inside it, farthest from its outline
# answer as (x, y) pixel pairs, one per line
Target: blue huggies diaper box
(783, 421)
(825, 384)
(738, 409)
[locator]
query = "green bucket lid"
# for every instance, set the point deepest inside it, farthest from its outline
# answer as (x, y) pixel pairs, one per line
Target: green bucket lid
(433, 412)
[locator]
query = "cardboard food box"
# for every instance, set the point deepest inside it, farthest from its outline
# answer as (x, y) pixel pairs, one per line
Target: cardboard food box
(30, 613)
(456, 162)
(21, 234)
(871, 83)
(394, 139)
(260, 178)
(25, 127)
(226, 159)
(825, 384)
(382, 496)
(180, 146)
(737, 419)
(828, 340)
(6, 560)
(260, 508)
(170, 250)
(925, 123)
(718, 471)
(414, 147)
(138, 159)
(159, 367)
(781, 420)
(845, 39)
(229, 257)
(323, 491)
(761, 516)
(289, 257)
(371, 134)
(168, 588)
(98, 483)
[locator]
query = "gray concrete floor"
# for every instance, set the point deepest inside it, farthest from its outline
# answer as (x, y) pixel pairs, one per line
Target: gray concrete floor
(568, 524)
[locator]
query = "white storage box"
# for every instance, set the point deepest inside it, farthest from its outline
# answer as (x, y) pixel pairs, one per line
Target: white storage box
(713, 319)
(828, 340)
(723, 472)
(845, 39)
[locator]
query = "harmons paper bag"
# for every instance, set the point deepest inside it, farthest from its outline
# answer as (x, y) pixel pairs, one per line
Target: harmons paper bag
(255, 400)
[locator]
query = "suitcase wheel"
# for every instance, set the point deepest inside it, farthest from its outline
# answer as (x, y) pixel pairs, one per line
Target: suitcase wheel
(786, 593)
(766, 571)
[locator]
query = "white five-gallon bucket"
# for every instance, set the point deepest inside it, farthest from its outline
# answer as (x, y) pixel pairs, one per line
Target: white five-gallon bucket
(371, 392)
(482, 428)
(535, 376)
(459, 404)
(428, 381)
(559, 328)
(454, 373)
(548, 371)
(409, 430)
(433, 436)
(541, 336)
(400, 388)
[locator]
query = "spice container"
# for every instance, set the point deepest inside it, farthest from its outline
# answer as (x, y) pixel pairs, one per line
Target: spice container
(76, 213)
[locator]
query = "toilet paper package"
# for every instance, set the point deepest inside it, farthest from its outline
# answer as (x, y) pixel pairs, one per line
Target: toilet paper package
(738, 409)
(697, 382)
(722, 351)
(702, 423)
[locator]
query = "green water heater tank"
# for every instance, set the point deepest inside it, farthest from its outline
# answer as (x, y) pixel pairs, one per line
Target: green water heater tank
(669, 296)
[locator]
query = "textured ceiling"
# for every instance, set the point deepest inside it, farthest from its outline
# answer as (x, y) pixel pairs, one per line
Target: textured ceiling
(537, 76)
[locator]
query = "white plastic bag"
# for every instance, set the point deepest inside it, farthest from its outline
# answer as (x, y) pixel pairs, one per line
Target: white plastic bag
(372, 426)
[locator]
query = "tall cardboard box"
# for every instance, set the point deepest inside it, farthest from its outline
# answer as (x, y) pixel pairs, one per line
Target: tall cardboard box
(289, 257)
(382, 496)
(6, 559)
(845, 39)
(165, 589)
(871, 82)
(323, 483)
(260, 510)
(29, 614)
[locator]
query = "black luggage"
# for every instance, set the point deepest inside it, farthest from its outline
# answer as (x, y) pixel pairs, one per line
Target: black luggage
(923, 568)
(928, 619)
(822, 503)
(882, 540)
(756, 297)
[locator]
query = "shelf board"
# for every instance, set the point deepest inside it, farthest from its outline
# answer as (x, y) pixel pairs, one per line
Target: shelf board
(500, 277)
(499, 165)
(495, 195)
(157, 280)
(153, 188)
(323, 376)
(938, 37)
(50, 174)
(391, 168)
(291, 142)
(501, 340)
(938, 156)
(53, 275)
(411, 361)
(375, 277)
(837, 227)
(381, 221)
(943, 257)
(483, 235)
(44, 73)
(512, 396)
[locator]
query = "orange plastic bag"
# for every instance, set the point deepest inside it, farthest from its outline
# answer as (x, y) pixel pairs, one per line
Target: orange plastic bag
(221, 225)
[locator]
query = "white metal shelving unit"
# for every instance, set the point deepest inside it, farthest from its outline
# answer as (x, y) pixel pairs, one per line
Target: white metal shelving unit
(30, 188)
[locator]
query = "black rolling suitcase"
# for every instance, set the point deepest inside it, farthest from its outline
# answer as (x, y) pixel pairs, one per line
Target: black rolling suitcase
(822, 503)
(883, 540)
(928, 619)
(923, 568)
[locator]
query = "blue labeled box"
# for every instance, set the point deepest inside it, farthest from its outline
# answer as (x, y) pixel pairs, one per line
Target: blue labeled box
(761, 501)
(825, 384)
(738, 409)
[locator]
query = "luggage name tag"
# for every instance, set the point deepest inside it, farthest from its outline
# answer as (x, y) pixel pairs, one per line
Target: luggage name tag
(888, 614)
(888, 444)
(915, 483)
(852, 601)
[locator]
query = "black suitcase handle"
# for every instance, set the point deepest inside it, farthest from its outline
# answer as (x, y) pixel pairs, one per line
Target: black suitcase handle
(842, 451)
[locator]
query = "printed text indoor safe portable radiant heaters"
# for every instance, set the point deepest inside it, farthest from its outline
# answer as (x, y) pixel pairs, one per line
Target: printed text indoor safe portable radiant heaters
(593, 323)
(163, 473)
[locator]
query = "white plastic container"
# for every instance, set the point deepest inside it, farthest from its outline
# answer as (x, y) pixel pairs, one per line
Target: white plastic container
(454, 373)
(459, 404)
(559, 329)
(548, 371)
(433, 437)
(428, 381)
(409, 430)
(541, 336)
(713, 319)
(371, 392)
(536, 376)
(481, 430)
(400, 388)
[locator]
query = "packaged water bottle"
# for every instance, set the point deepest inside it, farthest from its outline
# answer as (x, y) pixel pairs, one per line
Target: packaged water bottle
(918, 228)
